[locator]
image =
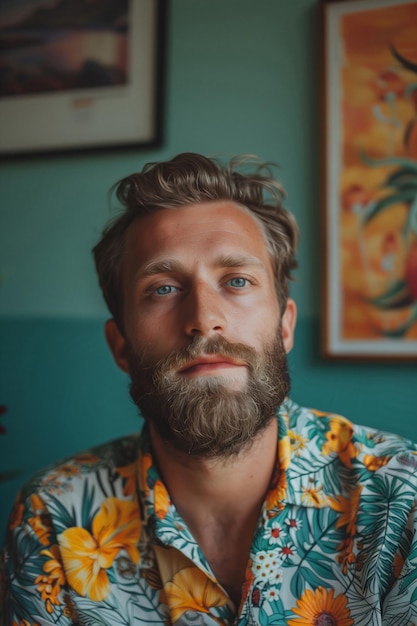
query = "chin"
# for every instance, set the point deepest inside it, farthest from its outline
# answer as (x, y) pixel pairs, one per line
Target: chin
(232, 381)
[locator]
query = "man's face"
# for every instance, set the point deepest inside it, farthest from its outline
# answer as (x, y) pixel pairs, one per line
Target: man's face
(196, 281)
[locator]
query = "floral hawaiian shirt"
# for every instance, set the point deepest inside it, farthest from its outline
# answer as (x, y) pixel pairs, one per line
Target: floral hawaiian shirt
(96, 540)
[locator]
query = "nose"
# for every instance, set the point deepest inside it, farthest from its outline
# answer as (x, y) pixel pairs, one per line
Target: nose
(204, 312)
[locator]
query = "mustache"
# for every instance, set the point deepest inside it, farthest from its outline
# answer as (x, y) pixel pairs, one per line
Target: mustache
(202, 346)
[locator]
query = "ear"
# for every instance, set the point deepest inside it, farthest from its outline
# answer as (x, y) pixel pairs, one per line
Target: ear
(288, 321)
(117, 344)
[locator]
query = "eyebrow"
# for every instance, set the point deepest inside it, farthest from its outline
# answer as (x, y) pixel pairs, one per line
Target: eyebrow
(161, 266)
(169, 266)
(242, 260)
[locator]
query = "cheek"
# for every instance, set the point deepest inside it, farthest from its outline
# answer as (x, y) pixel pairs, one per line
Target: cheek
(151, 336)
(266, 313)
(260, 330)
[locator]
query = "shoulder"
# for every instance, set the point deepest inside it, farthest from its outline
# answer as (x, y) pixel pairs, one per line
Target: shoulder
(335, 427)
(325, 439)
(110, 456)
(78, 485)
(64, 518)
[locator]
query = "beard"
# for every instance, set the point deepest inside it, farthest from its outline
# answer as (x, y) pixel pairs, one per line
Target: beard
(203, 416)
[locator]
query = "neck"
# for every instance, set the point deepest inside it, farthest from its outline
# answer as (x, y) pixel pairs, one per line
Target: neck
(199, 485)
(220, 500)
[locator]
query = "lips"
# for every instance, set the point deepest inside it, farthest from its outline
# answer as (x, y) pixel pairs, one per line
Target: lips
(210, 363)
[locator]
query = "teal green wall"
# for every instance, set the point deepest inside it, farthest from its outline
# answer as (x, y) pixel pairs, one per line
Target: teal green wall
(242, 76)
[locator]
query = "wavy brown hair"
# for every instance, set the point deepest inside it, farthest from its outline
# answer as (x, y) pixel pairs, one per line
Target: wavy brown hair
(188, 179)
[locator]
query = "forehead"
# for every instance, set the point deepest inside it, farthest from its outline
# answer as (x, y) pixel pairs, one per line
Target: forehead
(199, 228)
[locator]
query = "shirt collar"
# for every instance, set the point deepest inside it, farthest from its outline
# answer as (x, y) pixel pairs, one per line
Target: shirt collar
(289, 484)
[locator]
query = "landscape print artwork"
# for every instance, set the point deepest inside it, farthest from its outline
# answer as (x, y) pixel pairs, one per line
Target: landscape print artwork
(79, 75)
(62, 45)
(372, 198)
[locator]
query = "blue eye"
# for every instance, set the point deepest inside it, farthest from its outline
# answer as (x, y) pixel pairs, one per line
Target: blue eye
(165, 290)
(238, 282)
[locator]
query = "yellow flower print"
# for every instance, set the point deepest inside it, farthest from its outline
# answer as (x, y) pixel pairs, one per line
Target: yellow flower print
(191, 590)
(373, 463)
(297, 442)
(49, 584)
(312, 495)
(116, 526)
(129, 474)
(339, 439)
(284, 452)
(321, 607)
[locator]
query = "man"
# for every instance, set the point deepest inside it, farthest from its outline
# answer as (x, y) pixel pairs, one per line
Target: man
(234, 505)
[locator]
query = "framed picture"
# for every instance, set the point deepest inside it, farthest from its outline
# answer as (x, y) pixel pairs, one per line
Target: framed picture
(370, 179)
(79, 75)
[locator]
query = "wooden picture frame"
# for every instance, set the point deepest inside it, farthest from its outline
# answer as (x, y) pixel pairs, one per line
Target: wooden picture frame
(81, 80)
(369, 179)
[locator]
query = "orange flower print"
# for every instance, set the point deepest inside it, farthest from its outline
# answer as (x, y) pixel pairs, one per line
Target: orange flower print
(249, 578)
(41, 522)
(49, 584)
(276, 494)
(25, 622)
(348, 507)
(191, 590)
(321, 607)
(68, 470)
(86, 556)
(144, 465)
(86, 458)
(278, 487)
(42, 527)
(37, 504)
(339, 439)
(129, 474)
(373, 463)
